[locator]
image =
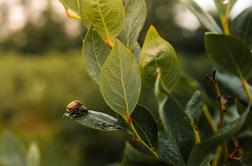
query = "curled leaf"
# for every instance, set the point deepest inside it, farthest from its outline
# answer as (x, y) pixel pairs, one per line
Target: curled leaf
(97, 120)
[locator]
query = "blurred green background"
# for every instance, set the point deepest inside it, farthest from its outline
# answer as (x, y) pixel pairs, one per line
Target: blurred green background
(41, 71)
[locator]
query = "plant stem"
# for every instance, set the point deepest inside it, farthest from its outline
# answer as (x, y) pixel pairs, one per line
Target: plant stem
(225, 24)
(210, 119)
(222, 111)
(196, 134)
(214, 129)
(217, 156)
(138, 138)
(72, 15)
(246, 89)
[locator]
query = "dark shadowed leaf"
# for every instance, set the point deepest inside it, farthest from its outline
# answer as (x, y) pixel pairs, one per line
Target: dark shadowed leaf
(145, 125)
(186, 86)
(205, 18)
(242, 25)
(136, 12)
(229, 52)
(168, 150)
(232, 84)
(97, 120)
(245, 139)
(203, 149)
(133, 157)
(206, 161)
(194, 107)
(94, 52)
(175, 117)
(120, 80)
(106, 16)
(158, 53)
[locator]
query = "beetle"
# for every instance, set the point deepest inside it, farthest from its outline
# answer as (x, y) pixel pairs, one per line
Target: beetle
(76, 109)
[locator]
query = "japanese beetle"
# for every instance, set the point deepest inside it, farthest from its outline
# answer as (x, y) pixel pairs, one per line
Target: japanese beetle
(76, 109)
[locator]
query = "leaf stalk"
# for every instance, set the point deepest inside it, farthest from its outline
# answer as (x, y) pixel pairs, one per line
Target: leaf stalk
(128, 120)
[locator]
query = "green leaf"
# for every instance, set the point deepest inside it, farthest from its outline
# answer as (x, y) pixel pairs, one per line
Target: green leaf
(160, 96)
(194, 108)
(186, 86)
(242, 25)
(11, 150)
(229, 52)
(168, 150)
(158, 53)
(206, 19)
(232, 84)
(74, 6)
(224, 7)
(95, 52)
(71, 4)
(133, 157)
(120, 81)
(106, 16)
(33, 155)
(145, 125)
(136, 12)
(174, 118)
(97, 120)
(203, 149)
(207, 160)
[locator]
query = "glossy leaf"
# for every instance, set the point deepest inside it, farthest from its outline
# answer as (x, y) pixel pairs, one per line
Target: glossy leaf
(175, 117)
(133, 157)
(158, 53)
(232, 84)
(194, 107)
(206, 19)
(242, 26)
(229, 52)
(224, 7)
(168, 150)
(33, 155)
(94, 52)
(106, 16)
(97, 120)
(203, 149)
(145, 125)
(11, 150)
(136, 12)
(120, 81)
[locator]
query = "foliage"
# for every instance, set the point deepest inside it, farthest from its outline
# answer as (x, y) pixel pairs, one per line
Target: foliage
(12, 152)
(110, 53)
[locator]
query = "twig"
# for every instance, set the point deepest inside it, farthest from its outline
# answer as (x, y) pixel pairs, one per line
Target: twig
(222, 109)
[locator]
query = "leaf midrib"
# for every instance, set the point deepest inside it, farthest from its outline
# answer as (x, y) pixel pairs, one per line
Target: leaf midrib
(123, 86)
(103, 20)
(94, 51)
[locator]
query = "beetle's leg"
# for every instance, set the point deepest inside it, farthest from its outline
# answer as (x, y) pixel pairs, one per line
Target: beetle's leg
(72, 115)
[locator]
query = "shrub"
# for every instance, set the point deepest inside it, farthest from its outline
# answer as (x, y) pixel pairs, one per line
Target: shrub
(120, 66)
